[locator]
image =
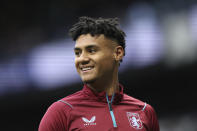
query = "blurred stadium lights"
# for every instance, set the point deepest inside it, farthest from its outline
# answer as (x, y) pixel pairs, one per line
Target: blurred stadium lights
(144, 42)
(179, 44)
(13, 76)
(193, 23)
(182, 122)
(52, 65)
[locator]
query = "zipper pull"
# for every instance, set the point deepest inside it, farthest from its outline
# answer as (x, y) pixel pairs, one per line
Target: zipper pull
(110, 106)
(111, 110)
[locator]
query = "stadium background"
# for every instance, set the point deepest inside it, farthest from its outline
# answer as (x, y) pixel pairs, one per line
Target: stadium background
(37, 59)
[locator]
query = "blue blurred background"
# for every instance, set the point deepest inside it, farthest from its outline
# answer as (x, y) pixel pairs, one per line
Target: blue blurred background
(37, 58)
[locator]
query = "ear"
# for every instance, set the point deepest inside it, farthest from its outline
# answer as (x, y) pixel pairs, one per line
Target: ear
(118, 53)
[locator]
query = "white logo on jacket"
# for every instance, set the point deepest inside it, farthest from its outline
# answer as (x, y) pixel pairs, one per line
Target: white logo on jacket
(89, 122)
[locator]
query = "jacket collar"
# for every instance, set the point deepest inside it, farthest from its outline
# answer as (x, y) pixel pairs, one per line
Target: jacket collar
(101, 96)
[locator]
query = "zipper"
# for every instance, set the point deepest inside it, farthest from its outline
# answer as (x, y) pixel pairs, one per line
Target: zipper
(111, 110)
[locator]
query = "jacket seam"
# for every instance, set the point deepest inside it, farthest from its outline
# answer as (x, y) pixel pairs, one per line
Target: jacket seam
(144, 107)
(66, 103)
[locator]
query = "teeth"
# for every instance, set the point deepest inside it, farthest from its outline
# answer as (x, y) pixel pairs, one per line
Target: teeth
(87, 68)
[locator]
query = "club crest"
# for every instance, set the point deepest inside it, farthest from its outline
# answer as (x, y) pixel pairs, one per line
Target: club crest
(134, 120)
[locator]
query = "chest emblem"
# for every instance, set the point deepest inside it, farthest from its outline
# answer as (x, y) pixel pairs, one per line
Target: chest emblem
(89, 122)
(134, 120)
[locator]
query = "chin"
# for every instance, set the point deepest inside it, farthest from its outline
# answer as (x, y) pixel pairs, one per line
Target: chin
(88, 81)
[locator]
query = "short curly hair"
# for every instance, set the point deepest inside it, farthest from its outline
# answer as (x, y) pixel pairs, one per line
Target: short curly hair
(109, 27)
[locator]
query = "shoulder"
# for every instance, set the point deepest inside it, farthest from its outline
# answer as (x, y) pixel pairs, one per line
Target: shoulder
(133, 101)
(138, 104)
(152, 116)
(58, 113)
(55, 117)
(59, 106)
(72, 99)
(66, 103)
(150, 111)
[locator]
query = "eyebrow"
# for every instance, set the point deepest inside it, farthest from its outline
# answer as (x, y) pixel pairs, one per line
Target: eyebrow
(75, 49)
(87, 47)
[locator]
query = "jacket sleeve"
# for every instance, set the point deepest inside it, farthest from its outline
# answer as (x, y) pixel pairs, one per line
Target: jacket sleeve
(154, 124)
(55, 118)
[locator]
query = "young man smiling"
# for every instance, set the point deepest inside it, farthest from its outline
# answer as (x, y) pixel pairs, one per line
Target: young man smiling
(101, 104)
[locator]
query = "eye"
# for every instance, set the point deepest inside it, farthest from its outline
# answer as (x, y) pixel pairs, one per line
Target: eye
(92, 50)
(77, 53)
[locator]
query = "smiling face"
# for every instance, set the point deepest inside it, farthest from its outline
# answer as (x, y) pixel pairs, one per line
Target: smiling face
(95, 58)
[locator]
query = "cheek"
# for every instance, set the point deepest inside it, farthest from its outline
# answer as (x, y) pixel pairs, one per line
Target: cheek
(106, 62)
(76, 64)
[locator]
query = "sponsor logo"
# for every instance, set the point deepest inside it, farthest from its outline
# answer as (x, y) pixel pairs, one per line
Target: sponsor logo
(134, 120)
(89, 122)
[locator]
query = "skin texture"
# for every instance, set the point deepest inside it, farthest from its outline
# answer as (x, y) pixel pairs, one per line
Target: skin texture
(102, 55)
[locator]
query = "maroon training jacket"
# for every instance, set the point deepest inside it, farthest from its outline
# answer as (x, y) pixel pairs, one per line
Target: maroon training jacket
(89, 111)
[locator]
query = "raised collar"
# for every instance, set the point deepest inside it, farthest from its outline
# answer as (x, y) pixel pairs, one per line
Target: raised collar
(101, 96)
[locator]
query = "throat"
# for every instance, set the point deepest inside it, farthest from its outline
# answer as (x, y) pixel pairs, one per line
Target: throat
(112, 90)
(109, 89)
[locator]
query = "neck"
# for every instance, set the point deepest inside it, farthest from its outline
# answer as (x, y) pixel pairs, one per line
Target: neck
(109, 85)
(109, 88)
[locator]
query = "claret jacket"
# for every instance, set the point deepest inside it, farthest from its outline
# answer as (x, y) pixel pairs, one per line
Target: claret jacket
(86, 110)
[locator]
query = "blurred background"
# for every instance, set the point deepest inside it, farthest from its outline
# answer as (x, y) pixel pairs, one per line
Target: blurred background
(37, 58)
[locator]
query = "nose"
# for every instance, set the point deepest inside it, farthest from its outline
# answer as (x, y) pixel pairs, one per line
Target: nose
(82, 59)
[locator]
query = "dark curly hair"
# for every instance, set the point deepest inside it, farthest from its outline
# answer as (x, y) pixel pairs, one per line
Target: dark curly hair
(95, 26)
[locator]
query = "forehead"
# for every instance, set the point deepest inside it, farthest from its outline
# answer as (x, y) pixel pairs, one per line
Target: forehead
(97, 40)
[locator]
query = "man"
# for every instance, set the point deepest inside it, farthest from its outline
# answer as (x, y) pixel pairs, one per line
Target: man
(101, 105)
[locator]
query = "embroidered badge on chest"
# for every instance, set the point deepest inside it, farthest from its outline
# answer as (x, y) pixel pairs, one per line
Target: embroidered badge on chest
(134, 120)
(89, 122)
